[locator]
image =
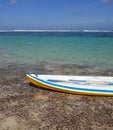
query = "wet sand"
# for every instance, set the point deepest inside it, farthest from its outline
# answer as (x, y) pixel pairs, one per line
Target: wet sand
(26, 107)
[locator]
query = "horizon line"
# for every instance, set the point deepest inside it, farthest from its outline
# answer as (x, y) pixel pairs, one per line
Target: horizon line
(54, 30)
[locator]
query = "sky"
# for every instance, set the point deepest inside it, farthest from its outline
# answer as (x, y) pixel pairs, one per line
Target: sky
(56, 14)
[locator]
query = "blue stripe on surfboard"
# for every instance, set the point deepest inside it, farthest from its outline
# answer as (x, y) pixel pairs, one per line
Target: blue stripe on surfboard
(110, 83)
(71, 88)
(52, 80)
(70, 80)
(77, 80)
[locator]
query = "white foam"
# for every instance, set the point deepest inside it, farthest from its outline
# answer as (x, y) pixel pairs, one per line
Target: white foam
(24, 30)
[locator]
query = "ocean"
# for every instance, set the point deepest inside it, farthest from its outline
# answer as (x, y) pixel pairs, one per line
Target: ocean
(87, 49)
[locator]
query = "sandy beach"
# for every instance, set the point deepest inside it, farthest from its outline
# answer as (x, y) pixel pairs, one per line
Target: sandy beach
(26, 107)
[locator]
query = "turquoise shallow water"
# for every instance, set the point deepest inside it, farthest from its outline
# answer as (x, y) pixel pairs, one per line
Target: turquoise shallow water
(80, 48)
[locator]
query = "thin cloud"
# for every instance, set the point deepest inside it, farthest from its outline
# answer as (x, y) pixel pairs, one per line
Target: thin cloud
(79, 12)
(66, 7)
(106, 1)
(13, 1)
(5, 4)
(0, 5)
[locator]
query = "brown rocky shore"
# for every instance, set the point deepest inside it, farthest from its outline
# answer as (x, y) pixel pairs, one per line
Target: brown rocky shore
(26, 107)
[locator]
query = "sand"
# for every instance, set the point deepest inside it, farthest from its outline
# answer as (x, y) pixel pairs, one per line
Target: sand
(26, 107)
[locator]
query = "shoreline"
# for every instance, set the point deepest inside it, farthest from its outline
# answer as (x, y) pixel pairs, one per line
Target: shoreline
(24, 106)
(59, 69)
